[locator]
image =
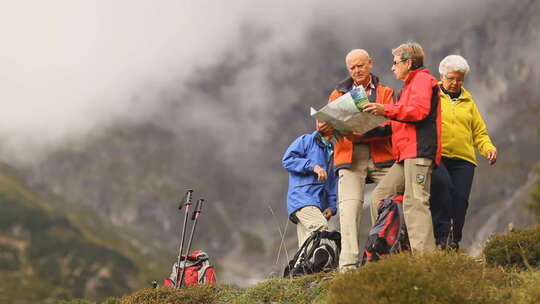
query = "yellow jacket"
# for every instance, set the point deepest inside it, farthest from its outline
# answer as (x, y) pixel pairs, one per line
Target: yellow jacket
(463, 128)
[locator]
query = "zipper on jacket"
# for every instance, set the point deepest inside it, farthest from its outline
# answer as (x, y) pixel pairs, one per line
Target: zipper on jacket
(454, 102)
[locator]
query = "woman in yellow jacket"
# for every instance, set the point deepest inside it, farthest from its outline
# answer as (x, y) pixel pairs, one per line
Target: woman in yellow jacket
(463, 129)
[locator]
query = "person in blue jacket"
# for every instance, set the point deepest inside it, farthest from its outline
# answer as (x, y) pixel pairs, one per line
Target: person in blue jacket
(311, 197)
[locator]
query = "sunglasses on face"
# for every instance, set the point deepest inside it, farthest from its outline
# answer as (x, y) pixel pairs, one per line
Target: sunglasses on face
(398, 62)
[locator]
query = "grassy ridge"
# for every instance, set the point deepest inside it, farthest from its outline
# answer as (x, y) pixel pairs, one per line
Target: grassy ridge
(437, 278)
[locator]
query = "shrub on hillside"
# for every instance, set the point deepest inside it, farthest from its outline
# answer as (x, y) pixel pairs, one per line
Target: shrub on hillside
(519, 249)
(433, 278)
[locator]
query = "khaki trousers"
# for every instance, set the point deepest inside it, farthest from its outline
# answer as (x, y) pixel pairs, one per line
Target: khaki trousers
(310, 218)
(414, 176)
(351, 186)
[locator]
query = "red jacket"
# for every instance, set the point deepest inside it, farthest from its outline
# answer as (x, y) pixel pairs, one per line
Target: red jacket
(416, 118)
(380, 147)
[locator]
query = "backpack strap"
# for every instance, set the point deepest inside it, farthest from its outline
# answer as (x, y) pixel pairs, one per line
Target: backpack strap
(299, 253)
(299, 256)
(202, 272)
(317, 240)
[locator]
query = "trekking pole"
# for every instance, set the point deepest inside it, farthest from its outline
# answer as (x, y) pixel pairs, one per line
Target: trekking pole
(282, 234)
(194, 218)
(187, 203)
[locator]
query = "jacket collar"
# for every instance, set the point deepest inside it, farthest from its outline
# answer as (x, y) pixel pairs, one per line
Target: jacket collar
(318, 138)
(346, 84)
(414, 72)
(463, 96)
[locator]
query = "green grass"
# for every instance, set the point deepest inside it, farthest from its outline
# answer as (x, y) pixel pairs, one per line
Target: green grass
(527, 289)
(431, 278)
(305, 289)
(439, 278)
(204, 294)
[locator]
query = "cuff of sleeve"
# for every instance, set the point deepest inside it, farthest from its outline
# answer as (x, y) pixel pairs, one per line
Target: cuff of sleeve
(388, 110)
(490, 147)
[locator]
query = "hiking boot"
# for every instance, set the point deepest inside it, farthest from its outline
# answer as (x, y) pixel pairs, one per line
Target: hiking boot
(347, 268)
(453, 245)
(443, 242)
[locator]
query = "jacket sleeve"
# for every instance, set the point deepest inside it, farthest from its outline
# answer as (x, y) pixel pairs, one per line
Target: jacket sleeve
(379, 133)
(479, 131)
(417, 105)
(295, 159)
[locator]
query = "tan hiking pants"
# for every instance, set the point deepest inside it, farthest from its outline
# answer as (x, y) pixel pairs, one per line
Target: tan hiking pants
(310, 218)
(413, 177)
(351, 186)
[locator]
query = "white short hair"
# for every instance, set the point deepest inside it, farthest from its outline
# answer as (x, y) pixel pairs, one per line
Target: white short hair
(453, 63)
(356, 52)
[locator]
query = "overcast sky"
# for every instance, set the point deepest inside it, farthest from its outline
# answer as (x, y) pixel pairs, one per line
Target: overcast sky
(69, 66)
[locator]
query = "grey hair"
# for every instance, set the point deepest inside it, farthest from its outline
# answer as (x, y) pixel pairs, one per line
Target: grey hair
(410, 50)
(454, 63)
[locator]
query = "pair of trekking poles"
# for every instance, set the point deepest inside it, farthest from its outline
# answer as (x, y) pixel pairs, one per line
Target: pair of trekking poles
(186, 204)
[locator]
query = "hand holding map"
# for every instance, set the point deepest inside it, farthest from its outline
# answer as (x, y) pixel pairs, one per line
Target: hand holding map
(345, 113)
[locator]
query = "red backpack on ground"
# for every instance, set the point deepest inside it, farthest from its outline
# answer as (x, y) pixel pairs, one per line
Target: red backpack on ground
(198, 270)
(389, 233)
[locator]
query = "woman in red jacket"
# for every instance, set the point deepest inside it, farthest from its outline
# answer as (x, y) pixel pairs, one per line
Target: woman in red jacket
(416, 128)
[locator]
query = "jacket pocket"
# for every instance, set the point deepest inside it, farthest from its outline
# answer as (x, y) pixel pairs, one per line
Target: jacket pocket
(422, 179)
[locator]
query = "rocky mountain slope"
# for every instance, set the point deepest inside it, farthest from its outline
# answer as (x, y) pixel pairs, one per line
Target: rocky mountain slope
(47, 255)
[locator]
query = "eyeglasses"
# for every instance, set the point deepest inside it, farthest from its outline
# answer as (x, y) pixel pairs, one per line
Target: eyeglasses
(397, 62)
(456, 80)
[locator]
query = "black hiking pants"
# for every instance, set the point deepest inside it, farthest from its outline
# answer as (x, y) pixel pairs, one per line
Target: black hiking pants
(451, 186)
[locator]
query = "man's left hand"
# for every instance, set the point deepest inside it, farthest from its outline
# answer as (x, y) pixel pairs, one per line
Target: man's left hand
(374, 108)
(327, 213)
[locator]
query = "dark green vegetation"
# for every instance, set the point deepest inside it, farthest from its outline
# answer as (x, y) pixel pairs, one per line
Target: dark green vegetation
(46, 255)
(437, 278)
(515, 249)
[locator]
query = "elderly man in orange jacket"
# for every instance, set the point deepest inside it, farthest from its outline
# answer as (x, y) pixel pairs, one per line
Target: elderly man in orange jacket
(358, 158)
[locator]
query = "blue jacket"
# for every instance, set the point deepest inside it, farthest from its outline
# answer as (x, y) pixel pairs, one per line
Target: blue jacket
(304, 188)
